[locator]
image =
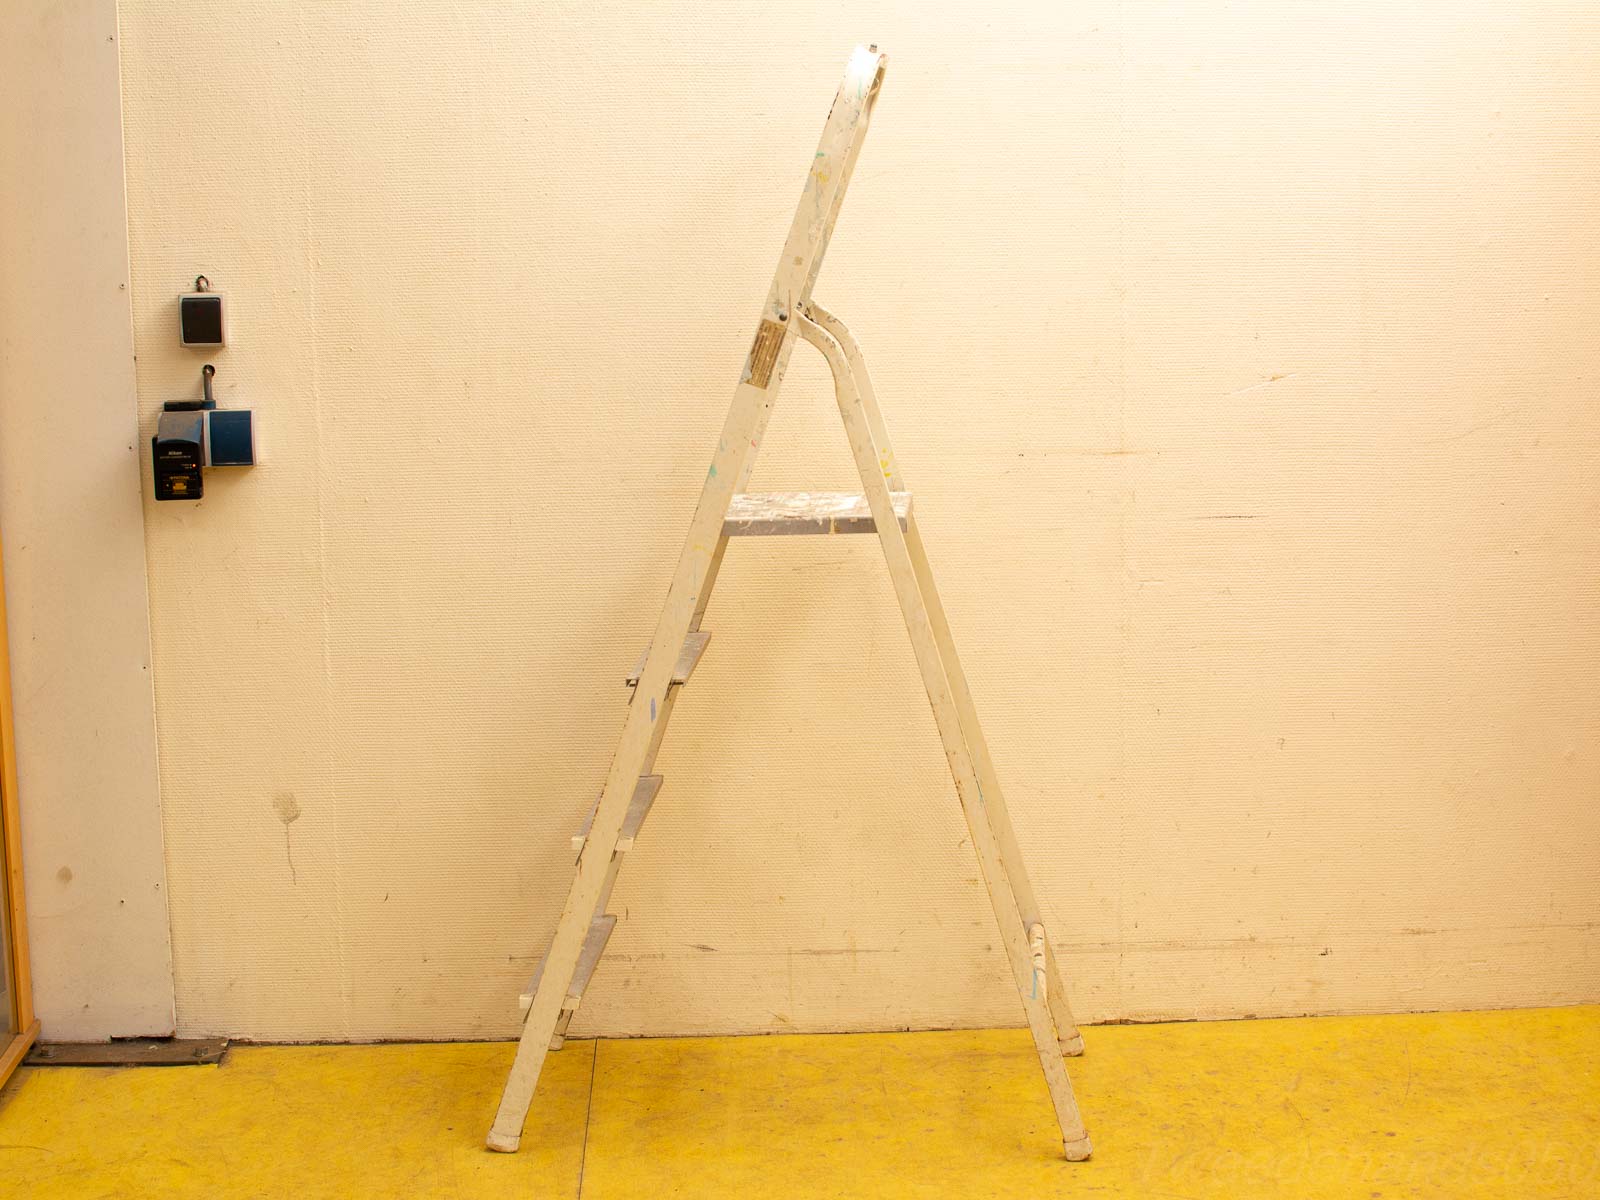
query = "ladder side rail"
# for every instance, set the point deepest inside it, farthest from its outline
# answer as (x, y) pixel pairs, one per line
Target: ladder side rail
(809, 234)
(639, 734)
(1014, 934)
(1071, 1040)
(747, 415)
(564, 1021)
(753, 398)
(812, 230)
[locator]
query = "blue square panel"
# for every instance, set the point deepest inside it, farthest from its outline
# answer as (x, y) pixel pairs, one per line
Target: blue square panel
(233, 438)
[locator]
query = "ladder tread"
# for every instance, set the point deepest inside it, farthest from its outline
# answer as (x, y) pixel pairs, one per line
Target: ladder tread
(644, 795)
(588, 959)
(769, 513)
(688, 658)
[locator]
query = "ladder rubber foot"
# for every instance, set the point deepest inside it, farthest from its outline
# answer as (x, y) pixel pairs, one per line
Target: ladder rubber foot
(1072, 1046)
(501, 1144)
(1079, 1150)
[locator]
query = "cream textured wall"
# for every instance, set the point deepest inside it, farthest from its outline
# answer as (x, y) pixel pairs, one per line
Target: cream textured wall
(1243, 357)
(74, 541)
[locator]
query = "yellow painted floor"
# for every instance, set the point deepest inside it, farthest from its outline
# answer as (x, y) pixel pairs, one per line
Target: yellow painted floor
(1454, 1106)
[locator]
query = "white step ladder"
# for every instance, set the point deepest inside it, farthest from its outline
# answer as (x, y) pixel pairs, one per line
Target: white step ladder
(726, 511)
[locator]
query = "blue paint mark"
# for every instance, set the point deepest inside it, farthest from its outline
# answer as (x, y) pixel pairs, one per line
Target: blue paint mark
(712, 474)
(653, 714)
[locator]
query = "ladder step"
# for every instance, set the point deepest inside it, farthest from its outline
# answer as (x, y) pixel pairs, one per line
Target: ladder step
(693, 647)
(644, 795)
(767, 513)
(588, 959)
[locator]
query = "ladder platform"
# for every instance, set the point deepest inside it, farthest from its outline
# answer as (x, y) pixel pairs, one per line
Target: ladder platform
(688, 658)
(763, 514)
(588, 959)
(644, 795)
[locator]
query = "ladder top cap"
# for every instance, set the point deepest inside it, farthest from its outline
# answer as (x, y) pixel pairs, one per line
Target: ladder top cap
(866, 65)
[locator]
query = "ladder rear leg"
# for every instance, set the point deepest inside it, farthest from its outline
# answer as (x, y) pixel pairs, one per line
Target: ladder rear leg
(1013, 933)
(1070, 1039)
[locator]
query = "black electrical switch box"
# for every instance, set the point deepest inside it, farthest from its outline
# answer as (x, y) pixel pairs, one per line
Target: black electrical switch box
(200, 320)
(177, 453)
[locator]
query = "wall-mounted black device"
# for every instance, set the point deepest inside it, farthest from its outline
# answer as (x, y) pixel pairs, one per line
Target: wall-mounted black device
(192, 434)
(201, 319)
(177, 453)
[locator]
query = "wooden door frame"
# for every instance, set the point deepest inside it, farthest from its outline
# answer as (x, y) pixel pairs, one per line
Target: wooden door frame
(22, 1018)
